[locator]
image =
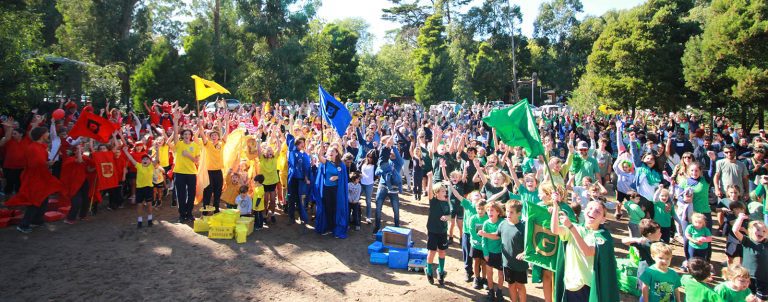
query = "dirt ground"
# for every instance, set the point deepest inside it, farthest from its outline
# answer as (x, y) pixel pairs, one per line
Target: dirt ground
(108, 259)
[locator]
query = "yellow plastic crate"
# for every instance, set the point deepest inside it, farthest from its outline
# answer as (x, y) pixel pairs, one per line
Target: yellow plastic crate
(200, 226)
(221, 232)
(248, 222)
(241, 233)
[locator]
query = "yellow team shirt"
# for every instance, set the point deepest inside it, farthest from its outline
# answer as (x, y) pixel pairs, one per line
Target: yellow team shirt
(258, 195)
(214, 154)
(268, 168)
(144, 175)
(164, 158)
(185, 165)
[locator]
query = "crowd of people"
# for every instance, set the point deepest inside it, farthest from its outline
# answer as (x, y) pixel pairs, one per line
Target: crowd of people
(676, 178)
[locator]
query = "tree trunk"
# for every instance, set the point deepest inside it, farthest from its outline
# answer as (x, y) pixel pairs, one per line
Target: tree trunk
(126, 20)
(216, 26)
(760, 118)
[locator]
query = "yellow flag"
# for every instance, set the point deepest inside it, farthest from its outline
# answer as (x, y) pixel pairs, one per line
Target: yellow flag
(205, 88)
(266, 106)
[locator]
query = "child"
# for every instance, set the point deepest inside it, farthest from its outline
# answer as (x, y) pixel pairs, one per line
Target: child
(512, 233)
(492, 250)
(158, 183)
(550, 195)
(636, 213)
(476, 224)
(232, 184)
(736, 285)
(659, 283)
(696, 290)
(437, 230)
(754, 254)
(732, 195)
(663, 209)
(354, 189)
(586, 264)
(466, 238)
(244, 202)
(699, 236)
(733, 248)
(144, 172)
(651, 233)
(457, 213)
(258, 202)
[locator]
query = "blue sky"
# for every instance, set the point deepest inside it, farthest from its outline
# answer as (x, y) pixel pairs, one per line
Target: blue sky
(370, 10)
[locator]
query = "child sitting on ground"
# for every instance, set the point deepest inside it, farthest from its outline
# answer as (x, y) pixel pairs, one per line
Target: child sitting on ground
(736, 285)
(659, 283)
(696, 289)
(244, 202)
(512, 234)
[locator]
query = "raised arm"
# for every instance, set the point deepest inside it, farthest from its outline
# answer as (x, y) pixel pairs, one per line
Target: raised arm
(128, 156)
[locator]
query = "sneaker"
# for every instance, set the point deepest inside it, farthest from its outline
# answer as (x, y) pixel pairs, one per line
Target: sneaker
(430, 278)
(468, 278)
(441, 278)
(499, 295)
(450, 240)
(357, 228)
(149, 223)
(159, 203)
(24, 230)
(485, 283)
(491, 295)
(478, 283)
(327, 233)
(138, 225)
(69, 222)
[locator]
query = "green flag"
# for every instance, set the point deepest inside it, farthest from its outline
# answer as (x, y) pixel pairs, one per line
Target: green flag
(540, 242)
(516, 126)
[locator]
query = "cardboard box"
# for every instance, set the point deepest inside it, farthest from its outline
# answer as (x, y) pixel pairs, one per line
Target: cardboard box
(396, 238)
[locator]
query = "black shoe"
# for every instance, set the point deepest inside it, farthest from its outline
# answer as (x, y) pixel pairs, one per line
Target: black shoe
(485, 283)
(430, 278)
(149, 223)
(441, 277)
(273, 219)
(138, 225)
(478, 284)
(491, 295)
(29, 230)
(499, 295)
(468, 278)
(182, 220)
(450, 240)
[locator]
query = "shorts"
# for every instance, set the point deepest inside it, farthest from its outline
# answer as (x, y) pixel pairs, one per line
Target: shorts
(437, 241)
(476, 254)
(733, 249)
(494, 260)
(144, 194)
(270, 188)
(511, 276)
(457, 211)
(620, 197)
(130, 175)
(759, 288)
(159, 186)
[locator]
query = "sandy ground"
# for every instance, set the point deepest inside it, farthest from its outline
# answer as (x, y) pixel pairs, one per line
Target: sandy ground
(108, 259)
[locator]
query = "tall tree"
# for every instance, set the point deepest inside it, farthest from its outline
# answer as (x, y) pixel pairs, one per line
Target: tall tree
(161, 75)
(387, 73)
(556, 19)
(343, 63)
(486, 68)
(433, 74)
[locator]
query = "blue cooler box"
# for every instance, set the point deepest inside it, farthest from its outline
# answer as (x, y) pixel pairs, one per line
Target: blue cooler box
(396, 238)
(375, 247)
(417, 253)
(378, 236)
(380, 258)
(398, 259)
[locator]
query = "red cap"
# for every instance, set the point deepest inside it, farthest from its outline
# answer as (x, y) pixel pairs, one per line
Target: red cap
(70, 104)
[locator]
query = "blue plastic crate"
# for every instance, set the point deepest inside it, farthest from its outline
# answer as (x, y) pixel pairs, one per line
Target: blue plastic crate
(379, 234)
(417, 253)
(396, 238)
(417, 265)
(380, 258)
(398, 259)
(375, 247)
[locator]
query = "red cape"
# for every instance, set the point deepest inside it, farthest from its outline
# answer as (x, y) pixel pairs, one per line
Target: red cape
(37, 182)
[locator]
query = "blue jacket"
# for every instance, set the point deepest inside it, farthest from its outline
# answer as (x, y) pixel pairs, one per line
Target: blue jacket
(298, 161)
(364, 146)
(389, 170)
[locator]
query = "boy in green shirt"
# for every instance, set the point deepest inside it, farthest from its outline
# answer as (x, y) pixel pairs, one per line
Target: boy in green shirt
(699, 270)
(466, 239)
(636, 213)
(512, 233)
(475, 225)
(659, 283)
(437, 230)
(492, 250)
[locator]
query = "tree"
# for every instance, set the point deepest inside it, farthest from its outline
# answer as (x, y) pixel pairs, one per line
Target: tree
(486, 68)
(433, 75)
(635, 62)
(726, 65)
(556, 20)
(343, 63)
(387, 73)
(161, 75)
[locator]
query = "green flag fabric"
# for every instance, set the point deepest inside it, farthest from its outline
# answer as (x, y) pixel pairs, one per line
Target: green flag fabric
(540, 242)
(516, 126)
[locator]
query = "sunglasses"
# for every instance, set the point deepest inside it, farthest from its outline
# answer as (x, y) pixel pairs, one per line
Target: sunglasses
(687, 156)
(727, 152)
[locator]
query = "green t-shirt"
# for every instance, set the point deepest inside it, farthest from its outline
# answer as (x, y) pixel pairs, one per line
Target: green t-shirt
(636, 212)
(525, 196)
(588, 167)
(729, 294)
(700, 196)
(661, 215)
(438, 209)
(469, 210)
(475, 224)
(450, 165)
(696, 291)
(512, 244)
(661, 285)
(490, 245)
(755, 258)
(698, 233)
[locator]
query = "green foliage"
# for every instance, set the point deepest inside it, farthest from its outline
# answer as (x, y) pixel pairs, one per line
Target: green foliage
(161, 75)
(387, 73)
(433, 73)
(486, 71)
(344, 79)
(556, 19)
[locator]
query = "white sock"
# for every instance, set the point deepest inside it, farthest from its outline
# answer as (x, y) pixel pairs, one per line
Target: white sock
(139, 218)
(149, 217)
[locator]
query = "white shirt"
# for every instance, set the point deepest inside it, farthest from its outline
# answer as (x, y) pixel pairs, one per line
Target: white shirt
(367, 174)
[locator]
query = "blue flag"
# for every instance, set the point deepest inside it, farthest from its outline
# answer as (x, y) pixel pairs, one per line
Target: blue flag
(334, 112)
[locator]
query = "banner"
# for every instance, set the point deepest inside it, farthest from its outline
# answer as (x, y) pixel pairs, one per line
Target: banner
(108, 176)
(205, 88)
(92, 126)
(516, 126)
(540, 242)
(334, 112)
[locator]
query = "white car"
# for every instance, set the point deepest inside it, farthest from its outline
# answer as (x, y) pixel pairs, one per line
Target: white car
(232, 105)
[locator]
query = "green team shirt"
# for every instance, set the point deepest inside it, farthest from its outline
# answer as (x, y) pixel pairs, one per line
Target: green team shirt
(589, 168)
(469, 210)
(698, 233)
(661, 215)
(728, 294)
(490, 245)
(512, 244)
(450, 165)
(636, 212)
(696, 291)
(437, 209)
(475, 224)
(661, 285)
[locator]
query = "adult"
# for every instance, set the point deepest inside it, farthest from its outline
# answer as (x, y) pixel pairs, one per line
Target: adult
(299, 166)
(583, 165)
(332, 177)
(214, 156)
(696, 188)
(731, 171)
(647, 176)
(186, 153)
(756, 166)
(390, 182)
(15, 144)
